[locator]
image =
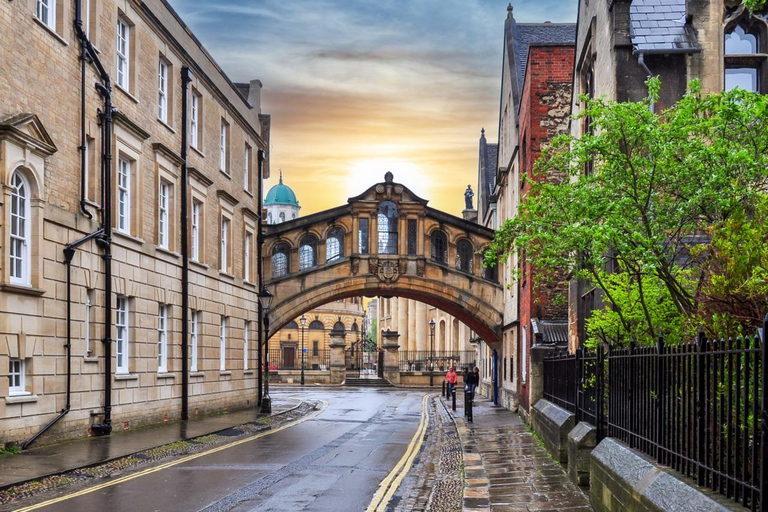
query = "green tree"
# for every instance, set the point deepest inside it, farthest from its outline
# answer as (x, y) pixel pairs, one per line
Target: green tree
(373, 331)
(663, 186)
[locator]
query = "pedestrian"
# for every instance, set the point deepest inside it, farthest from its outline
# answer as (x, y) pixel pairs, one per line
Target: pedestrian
(451, 378)
(464, 373)
(473, 379)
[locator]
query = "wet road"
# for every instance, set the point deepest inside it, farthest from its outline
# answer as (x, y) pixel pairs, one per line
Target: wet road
(333, 461)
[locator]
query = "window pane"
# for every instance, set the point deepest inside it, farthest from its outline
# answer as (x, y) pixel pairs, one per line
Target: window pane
(464, 254)
(739, 42)
(387, 228)
(439, 247)
(363, 249)
(280, 260)
(334, 245)
(308, 252)
(412, 237)
(744, 78)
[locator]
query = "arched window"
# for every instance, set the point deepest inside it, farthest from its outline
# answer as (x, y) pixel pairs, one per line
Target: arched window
(491, 273)
(439, 247)
(269, 218)
(387, 225)
(334, 245)
(281, 260)
(282, 216)
(291, 325)
(338, 326)
(354, 327)
(464, 255)
(308, 252)
(742, 69)
(316, 325)
(293, 216)
(20, 224)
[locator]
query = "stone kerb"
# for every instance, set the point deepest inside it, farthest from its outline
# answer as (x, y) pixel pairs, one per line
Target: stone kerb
(338, 365)
(391, 356)
(581, 441)
(552, 424)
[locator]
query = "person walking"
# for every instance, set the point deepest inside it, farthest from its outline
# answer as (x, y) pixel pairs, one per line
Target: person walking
(451, 378)
(473, 379)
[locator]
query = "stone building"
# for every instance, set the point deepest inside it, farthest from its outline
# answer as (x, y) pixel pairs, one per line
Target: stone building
(621, 43)
(54, 194)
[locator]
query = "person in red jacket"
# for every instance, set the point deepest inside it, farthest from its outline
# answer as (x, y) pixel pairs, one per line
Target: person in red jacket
(451, 378)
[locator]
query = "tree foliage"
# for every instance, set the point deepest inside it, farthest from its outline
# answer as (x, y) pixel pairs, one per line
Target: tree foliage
(660, 216)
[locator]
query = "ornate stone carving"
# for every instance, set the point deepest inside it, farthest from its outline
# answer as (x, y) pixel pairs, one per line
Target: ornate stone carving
(421, 267)
(388, 271)
(403, 266)
(373, 265)
(379, 189)
(355, 262)
(398, 189)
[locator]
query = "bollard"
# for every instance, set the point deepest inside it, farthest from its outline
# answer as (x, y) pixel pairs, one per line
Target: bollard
(444, 392)
(453, 403)
(468, 412)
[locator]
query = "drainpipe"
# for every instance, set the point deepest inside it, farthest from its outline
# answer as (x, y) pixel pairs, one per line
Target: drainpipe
(641, 61)
(260, 276)
(185, 79)
(83, 147)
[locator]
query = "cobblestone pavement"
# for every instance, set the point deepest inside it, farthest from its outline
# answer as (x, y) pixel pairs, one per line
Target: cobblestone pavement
(506, 468)
(434, 483)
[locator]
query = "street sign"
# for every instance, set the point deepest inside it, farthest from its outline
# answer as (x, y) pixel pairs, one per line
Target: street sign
(305, 350)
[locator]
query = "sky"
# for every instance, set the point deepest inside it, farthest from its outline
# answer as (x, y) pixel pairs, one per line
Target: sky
(359, 88)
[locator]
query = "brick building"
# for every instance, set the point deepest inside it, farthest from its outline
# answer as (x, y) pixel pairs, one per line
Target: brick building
(54, 193)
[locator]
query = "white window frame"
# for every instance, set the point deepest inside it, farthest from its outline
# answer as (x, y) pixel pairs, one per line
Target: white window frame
(194, 120)
(224, 244)
(123, 50)
(162, 339)
(245, 345)
(162, 90)
(21, 222)
(223, 148)
(524, 356)
(194, 332)
(45, 11)
(223, 344)
(163, 214)
(87, 18)
(124, 171)
(196, 207)
(248, 156)
(247, 256)
(88, 318)
(122, 328)
(16, 371)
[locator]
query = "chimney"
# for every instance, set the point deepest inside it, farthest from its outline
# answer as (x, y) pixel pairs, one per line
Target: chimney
(254, 94)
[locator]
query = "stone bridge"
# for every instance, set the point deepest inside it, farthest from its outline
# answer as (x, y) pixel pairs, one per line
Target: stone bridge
(384, 242)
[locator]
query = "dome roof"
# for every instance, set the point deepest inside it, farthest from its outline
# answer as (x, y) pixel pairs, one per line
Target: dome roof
(281, 194)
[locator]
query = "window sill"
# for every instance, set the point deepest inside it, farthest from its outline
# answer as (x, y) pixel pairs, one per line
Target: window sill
(225, 373)
(126, 376)
(249, 192)
(247, 372)
(225, 173)
(249, 284)
(166, 375)
(165, 123)
(197, 374)
(51, 31)
(22, 289)
(200, 264)
(168, 252)
(128, 236)
(226, 274)
(90, 359)
(130, 96)
(197, 150)
(21, 399)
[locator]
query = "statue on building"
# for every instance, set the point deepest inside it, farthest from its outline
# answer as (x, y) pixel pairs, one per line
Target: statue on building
(468, 195)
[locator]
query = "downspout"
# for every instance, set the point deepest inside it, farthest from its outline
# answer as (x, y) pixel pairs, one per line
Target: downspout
(260, 275)
(185, 79)
(641, 61)
(83, 143)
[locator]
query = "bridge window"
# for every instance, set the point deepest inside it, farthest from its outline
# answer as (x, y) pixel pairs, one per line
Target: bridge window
(439, 247)
(280, 260)
(334, 245)
(491, 273)
(464, 256)
(412, 237)
(308, 252)
(363, 249)
(387, 228)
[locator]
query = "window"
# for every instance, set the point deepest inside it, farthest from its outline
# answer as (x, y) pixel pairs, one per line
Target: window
(464, 254)
(165, 190)
(224, 147)
(247, 168)
(245, 345)
(223, 344)
(524, 355)
(282, 216)
(308, 252)
(412, 237)
(280, 260)
(387, 228)
(20, 258)
(16, 384)
(124, 169)
(88, 318)
(315, 348)
(194, 120)
(439, 247)
(162, 339)
(193, 340)
(491, 273)
(123, 53)
(46, 12)
(363, 248)
(247, 257)
(197, 208)
(589, 89)
(121, 326)
(162, 91)
(334, 245)
(223, 263)
(742, 64)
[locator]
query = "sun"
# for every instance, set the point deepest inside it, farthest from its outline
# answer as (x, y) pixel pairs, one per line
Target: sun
(361, 174)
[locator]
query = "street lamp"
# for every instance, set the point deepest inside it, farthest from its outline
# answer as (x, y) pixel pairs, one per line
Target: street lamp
(265, 300)
(431, 352)
(303, 321)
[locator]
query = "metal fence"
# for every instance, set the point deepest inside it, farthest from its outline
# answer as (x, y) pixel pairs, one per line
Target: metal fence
(700, 408)
(282, 359)
(419, 360)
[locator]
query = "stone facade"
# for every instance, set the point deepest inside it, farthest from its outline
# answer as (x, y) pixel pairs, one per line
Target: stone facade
(40, 139)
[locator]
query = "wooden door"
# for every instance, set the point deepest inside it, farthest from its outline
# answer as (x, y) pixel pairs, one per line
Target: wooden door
(289, 357)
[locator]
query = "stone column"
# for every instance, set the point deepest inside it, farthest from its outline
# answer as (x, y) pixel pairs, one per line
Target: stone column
(391, 357)
(402, 320)
(411, 324)
(536, 374)
(422, 330)
(338, 365)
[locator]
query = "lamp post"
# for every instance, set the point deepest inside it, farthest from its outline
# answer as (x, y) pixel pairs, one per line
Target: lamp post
(303, 321)
(431, 352)
(265, 300)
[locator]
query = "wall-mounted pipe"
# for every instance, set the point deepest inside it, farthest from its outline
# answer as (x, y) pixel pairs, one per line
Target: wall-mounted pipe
(262, 345)
(641, 61)
(186, 77)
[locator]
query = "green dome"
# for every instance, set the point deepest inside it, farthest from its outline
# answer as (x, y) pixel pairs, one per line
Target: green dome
(281, 194)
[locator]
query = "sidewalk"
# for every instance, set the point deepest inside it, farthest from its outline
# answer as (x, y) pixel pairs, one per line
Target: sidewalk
(39, 462)
(506, 469)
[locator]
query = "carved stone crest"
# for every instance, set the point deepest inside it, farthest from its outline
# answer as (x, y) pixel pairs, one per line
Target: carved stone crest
(355, 261)
(421, 267)
(373, 265)
(403, 266)
(388, 271)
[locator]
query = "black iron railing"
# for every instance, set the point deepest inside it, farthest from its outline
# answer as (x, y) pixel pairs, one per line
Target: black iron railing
(282, 359)
(700, 408)
(420, 360)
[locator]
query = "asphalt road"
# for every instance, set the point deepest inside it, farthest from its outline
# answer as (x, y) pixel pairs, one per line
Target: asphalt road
(332, 462)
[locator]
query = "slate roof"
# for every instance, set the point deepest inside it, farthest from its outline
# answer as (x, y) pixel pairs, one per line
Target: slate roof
(491, 154)
(554, 332)
(528, 34)
(659, 26)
